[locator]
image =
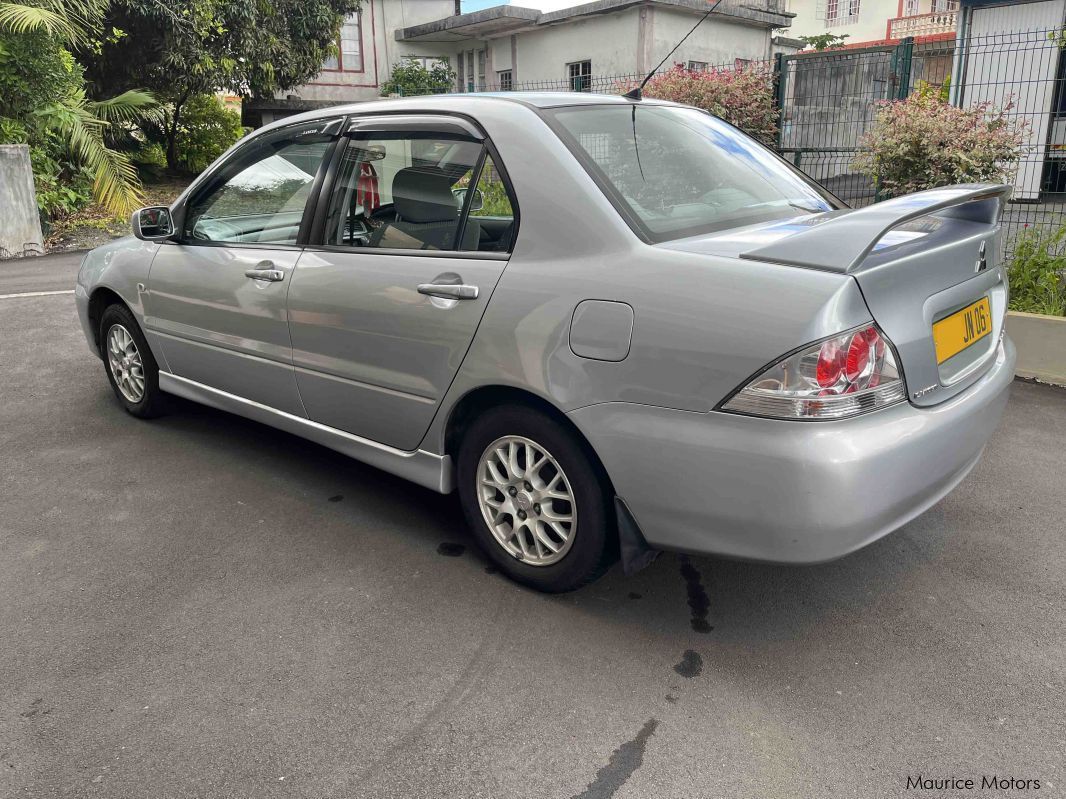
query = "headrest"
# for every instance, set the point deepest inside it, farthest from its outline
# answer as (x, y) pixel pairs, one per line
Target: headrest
(423, 194)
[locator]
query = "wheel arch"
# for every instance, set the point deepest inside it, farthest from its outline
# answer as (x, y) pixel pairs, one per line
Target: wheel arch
(478, 400)
(100, 300)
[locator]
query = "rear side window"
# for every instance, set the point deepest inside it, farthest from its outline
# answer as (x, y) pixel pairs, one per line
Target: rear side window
(676, 172)
(260, 195)
(412, 191)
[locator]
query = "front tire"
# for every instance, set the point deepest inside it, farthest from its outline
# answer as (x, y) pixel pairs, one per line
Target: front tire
(131, 369)
(535, 499)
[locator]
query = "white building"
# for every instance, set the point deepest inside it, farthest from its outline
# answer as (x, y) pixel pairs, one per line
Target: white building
(870, 22)
(583, 47)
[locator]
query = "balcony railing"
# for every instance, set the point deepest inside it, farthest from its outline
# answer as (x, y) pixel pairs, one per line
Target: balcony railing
(923, 24)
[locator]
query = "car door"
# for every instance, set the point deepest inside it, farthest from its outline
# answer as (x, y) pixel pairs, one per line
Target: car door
(383, 309)
(216, 295)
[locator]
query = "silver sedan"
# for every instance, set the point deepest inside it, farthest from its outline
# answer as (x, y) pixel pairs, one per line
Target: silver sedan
(614, 326)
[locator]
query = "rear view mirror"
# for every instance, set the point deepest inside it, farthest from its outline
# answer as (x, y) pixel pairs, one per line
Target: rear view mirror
(153, 224)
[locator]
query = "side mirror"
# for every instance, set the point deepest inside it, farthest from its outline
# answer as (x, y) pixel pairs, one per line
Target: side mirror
(476, 204)
(153, 224)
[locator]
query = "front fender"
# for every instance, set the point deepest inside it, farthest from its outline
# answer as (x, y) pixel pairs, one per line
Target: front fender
(118, 267)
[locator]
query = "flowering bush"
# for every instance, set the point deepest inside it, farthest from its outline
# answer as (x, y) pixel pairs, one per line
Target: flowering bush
(923, 142)
(742, 97)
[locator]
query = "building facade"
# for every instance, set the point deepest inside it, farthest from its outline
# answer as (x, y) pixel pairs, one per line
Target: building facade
(872, 22)
(585, 48)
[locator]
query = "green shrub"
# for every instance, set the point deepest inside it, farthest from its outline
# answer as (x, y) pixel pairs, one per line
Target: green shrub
(923, 142)
(411, 78)
(150, 159)
(206, 130)
(1036, 272)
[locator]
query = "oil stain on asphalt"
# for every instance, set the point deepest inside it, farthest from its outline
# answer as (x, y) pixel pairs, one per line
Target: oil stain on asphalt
(624, 761)
(691, 664)
(451, 550)
(698, 601)
(336, 498)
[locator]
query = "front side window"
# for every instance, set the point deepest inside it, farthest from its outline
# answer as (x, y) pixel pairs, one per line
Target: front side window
(676, 172)
(260, 194)
(409, 191)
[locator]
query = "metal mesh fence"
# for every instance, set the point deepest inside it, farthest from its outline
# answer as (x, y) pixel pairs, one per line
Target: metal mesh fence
(826, 102)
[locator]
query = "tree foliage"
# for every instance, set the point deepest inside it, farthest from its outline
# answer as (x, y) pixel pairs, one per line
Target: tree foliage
(249, 47)
(206, 131)
(43, 104)
(410, 78)
(825, 41)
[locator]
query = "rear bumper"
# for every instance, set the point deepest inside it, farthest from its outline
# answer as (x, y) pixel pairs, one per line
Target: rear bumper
(791, 492)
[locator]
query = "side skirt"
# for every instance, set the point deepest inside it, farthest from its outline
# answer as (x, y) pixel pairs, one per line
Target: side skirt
(421, 467)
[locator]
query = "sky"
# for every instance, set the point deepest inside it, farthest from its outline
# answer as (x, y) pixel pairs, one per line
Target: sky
(543, 5)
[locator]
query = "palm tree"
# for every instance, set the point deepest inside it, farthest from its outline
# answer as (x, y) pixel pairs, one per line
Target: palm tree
(84, 125)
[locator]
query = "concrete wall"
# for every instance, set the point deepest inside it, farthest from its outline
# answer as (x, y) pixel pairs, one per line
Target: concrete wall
(1041, 343)
(716, 42)
(609, 41)
(20, 223)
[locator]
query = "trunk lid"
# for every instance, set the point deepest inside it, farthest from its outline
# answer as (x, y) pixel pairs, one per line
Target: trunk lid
(918, 260)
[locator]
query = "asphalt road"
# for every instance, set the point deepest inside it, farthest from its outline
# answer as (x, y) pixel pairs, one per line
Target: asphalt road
(200, 606)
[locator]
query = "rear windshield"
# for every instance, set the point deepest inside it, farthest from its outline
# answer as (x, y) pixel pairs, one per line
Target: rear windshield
(676, 172)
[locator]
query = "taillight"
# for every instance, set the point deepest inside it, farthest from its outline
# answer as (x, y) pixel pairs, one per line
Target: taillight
(848, 374)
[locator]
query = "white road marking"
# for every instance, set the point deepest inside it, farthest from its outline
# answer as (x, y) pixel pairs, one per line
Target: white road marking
(34, 294)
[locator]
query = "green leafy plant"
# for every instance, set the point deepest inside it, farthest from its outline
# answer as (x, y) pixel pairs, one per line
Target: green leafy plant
(42, 92)
(207, 130)
(743, 97)
(922, 142)
(411, 78)
(825, 41)
(1037, 270)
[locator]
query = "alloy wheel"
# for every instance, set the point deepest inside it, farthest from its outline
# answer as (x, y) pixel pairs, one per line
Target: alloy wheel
(124, 358)
(526, 500)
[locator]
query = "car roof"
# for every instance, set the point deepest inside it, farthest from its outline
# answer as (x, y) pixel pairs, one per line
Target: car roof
(462, 103)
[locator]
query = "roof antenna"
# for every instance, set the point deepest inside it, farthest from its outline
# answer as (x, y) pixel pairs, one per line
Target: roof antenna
(635, 94)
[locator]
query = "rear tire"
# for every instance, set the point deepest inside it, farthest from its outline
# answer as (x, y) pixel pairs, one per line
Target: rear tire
(551, 526)
(131, 369)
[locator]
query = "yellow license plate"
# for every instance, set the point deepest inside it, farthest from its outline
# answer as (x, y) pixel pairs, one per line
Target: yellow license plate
(954, 333)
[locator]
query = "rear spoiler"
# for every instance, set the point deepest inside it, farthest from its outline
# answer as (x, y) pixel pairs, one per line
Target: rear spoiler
(840, 243)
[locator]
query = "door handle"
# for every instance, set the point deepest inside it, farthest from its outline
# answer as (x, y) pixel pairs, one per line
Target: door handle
(272, 275)
(449, 291)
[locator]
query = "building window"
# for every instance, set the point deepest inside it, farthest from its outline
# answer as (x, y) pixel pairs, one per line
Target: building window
(460, 74)
(471, 86)
(481, 70)
(697, 66)
(910, 8)
(425, 61)
(504, 80)
(349, 56)
(840, 12)
(580, 75)
(945, 6)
